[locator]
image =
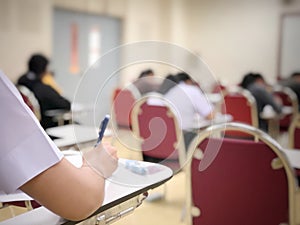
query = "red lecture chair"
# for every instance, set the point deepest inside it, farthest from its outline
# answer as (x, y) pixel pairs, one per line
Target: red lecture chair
(123, 101)
(158, 130)
(30, 100)
(234, 181)
(288, 99)
(241, 105)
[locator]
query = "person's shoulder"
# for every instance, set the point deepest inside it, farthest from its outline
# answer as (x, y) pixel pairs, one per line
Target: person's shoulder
(255, 87)
(22, 79)
(43, 87)
(193, 89)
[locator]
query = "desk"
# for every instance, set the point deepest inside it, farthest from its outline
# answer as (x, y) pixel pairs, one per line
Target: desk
(124, 192)
(62, 115)
(219, 118)
(214, 98)
(274, 119)
(59, 115)
(72, 134)
(294, 157)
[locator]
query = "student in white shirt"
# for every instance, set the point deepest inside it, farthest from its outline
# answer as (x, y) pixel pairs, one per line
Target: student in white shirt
(30, 161)
(191, 104)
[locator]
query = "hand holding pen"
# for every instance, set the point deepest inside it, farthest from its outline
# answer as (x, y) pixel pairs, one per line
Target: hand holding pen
(103, 158)
(103, 126)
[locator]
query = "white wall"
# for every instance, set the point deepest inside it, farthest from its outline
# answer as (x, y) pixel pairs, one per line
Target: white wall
(236, 36)
(25, 27)
(232, 36)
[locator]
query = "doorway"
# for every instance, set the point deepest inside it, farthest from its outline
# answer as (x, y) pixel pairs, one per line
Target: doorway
(79, 40)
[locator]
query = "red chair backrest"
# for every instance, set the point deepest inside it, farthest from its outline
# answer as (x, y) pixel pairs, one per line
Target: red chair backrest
(123, 102)
(241, 109)
(294, 133)
(27, 102)
(30, 100)
(161, 137)
(288, 98)
(237, 105)
(297, 138)
(239, 186)
(158, 131)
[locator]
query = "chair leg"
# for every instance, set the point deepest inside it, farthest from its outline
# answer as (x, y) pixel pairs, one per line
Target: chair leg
(28, 205)
(157, 195)
(183, 214)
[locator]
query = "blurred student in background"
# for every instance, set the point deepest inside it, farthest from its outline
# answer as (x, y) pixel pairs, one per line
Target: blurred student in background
(47, 96)
(257, 86)
(169, 82)
(146, 82)
(190, 103)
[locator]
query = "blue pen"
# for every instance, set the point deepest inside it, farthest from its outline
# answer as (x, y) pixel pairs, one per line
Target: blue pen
(102, 129)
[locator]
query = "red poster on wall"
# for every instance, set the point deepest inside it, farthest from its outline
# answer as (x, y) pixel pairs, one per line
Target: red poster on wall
(74, 61)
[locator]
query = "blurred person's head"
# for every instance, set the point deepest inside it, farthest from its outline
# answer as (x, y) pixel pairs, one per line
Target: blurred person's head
(259, 79)
(38, 64)
(146, 73)
(169, 82)
(184, 77)
(247, 80)
(296, 76)
(251, 78)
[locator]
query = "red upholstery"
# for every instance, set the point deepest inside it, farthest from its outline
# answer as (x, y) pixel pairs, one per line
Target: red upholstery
(123, 101)
(286, 101)
(239, 107)
(297, 138)
(30, 100)
(294, 142)
(33, 203)
(158, 131)
(240, 187)
(27, 101)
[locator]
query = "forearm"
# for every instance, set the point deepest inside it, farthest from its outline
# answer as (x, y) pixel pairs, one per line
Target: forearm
(73, 194)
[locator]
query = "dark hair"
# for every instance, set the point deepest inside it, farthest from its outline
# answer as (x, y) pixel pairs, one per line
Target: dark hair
(250, 78)
(183, 77)
(295, 74)
(247, 80)
(258, 76)
(169, 82)
(38, 64)
(146, 73)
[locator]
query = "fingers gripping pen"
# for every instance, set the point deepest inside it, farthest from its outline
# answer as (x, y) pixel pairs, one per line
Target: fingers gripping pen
(103, 126)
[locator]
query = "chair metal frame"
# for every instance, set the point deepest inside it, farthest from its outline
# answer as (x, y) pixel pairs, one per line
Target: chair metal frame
(292, 97)
(171, 113)
(294, 125)
(32, 99)
(293, 189)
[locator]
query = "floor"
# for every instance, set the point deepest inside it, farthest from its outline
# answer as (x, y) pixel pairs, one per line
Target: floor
(168, 210)
(164, 211)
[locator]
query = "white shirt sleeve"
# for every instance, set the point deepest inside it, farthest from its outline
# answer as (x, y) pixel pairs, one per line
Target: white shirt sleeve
(200, 102)
(25, 148)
